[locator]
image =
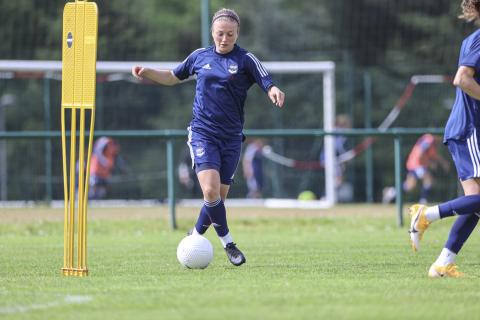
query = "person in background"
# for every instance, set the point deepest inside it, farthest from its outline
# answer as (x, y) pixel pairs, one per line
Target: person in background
(186, 175)
(423, 157)
(252, 165)
(344, 188)
(462, 133)
(105, 159)
(224, 73)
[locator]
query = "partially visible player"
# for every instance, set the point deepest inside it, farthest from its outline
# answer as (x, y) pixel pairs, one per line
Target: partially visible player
(462, 135)
(186, 175)
(422, 158)
(105, 159)
(224, 73)
(252, 165)
(344, 187)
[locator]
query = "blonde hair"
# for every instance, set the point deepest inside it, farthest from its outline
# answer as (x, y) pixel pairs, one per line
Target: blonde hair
(470, 10)
(228, 14)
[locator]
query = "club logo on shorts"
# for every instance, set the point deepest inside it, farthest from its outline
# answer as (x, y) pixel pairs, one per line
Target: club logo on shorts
(233, 68)
(200, 152)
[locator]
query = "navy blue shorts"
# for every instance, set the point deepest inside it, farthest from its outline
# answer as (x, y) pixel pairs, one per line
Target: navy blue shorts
(212, 153)
(418, 172)
(466, 156)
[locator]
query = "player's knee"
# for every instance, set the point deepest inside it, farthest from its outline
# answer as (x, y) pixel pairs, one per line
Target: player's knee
(211, 193)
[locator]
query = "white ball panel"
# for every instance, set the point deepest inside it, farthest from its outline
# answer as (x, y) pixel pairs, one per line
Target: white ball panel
(195, 252)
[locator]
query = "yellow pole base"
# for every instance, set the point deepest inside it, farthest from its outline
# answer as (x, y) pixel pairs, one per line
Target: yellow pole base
(75, 272)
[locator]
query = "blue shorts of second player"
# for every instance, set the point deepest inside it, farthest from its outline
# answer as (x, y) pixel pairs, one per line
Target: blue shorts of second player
(466, 156)
(418, 172)
(209, 152)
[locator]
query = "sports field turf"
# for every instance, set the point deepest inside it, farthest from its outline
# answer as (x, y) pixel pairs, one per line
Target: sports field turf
(350, 262)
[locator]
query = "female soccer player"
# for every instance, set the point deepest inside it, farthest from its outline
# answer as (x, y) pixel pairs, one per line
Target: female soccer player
(224, 73)
(462, 139)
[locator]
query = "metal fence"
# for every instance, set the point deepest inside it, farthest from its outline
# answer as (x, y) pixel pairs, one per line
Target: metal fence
(169, 138)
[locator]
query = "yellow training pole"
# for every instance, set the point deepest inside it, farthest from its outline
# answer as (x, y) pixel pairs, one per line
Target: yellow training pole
(90, 145)
(71, 192)
(66, 257)
(78, 97)
(79, 55)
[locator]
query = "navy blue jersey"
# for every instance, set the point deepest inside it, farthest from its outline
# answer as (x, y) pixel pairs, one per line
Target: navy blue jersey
(222, 84)
(465, 117)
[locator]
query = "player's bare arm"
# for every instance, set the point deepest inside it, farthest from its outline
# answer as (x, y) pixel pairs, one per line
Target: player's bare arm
(165, 77)
(464, 79)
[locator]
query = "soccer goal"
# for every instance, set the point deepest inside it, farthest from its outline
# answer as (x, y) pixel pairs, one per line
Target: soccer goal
(118, 71)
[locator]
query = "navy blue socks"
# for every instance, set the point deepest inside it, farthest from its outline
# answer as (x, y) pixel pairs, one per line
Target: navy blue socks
(218, 215)
(203, 221)
(466, 208)
(461, 230)
(460, 206)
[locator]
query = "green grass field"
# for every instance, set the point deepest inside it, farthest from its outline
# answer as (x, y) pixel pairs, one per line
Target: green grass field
(350, 262)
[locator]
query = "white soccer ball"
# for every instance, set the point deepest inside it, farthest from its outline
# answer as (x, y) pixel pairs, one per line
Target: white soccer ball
(195, 252)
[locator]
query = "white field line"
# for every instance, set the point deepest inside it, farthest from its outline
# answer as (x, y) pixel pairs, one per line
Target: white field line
(41, 306)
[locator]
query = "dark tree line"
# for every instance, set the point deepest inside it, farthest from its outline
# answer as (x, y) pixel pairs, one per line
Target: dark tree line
(387, 40)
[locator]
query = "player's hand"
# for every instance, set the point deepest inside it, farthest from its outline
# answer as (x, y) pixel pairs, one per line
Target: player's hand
(277, 96)
(137, 72)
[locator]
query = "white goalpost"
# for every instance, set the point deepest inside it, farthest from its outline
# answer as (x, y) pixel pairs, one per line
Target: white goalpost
(121, 70)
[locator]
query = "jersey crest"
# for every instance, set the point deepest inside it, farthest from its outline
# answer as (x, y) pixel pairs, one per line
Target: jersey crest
(233, 68)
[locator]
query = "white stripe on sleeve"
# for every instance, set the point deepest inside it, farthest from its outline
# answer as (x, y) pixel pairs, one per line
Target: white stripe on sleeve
(260, 67)
(191, 54)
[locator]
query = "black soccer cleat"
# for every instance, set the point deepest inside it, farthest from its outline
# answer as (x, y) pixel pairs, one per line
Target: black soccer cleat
(235, 256)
